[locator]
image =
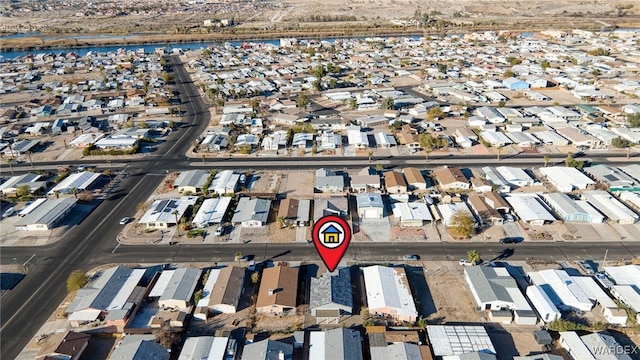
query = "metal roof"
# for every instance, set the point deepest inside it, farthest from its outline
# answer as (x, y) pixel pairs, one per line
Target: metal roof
(194, 178)
(490, 285)
(139, 347)
(212, 211)
(387, 288)
(267, 350)
(81, 181)
(204, 347)
(252, 209)
(181, 285)
(48, 212)
(339, 344)
(369, 200)
(456, 340)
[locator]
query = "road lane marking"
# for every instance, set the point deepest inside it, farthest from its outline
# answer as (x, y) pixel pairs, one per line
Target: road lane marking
(116, 248)
(29, 259)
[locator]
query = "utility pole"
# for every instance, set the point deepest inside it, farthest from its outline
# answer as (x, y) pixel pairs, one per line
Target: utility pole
(604, 262)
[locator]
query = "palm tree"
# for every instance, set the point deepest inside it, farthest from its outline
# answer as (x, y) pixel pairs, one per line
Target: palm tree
(29, 156)
(474, 256)
(499, 151)
(280, 221)
(74, 191)
(9, 160)
(370, 154)
(202, 157)
(238, 255)
(546, 159)
(427, 151)
(175, 213)
(57, 193)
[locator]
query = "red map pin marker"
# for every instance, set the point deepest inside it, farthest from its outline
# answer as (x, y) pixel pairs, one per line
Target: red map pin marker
(331, 236)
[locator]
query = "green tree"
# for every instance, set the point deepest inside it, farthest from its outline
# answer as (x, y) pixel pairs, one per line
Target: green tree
(238, 255)
(245, 149)
(370, 155)
(303, 100)
(77, 280)
(474, 256)
(387, 104)
(442, 68)
(353, 104)
(502, 103)
(546, 159)
(462, 224)
(434, 113)
(599, 52)
(23, 190)
(280, 220)
(571, 161)
(508, 74)
(379, 167)
(175, 214)
(633, 120)
(620, 143)
(197, 296)
(255, 277)
(545, 65)
(565, 325)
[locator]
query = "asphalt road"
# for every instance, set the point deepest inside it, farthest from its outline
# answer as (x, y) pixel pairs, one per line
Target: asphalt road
(93, 242)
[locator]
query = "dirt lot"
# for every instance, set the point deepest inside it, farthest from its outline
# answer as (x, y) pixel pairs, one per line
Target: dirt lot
(450, 293)
(297, 184)
(263, 181)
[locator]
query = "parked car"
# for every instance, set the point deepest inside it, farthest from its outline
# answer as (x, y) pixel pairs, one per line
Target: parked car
(219, 231)
(510, 240)
(10, 211)
(243, 178)
(464, 262)
(125, 220)
(82, 168)
(509, 218)
(411, 258)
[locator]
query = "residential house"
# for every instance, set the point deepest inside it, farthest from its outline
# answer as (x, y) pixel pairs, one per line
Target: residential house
(334, 205)
(370, 206)
(611, 176)
(139, 347)
(331, 296)
(191, 181)
(447, 211)
(530, 209)
(485, 214)
(610, 206)
(494, 289)
(329, 181)
(164, 213)
(71, 346)
(278, 291)
(408, 137)
(412, 213)
(267, 350)
(566, 179)
(395, 182)
(338, 344)
(174, 288)
(415, 179)
(221, 293)
(367, 180)
(571, 210)
(212, 211)
(46, 215)
(252, 212)
(206, 347)
(451, 179)
(224, 182)
(496, 201)
(11, 186)
(388, 293)
(295, 211)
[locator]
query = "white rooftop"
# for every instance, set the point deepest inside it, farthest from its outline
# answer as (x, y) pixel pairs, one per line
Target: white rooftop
(389, 288)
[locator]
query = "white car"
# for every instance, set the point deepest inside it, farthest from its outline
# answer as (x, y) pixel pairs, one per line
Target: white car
(125, 220)
(10, 211)
(219, 231)
(464, 262)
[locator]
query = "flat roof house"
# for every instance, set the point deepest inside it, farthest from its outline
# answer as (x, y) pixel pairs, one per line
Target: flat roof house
(338, 344)
(370, 206)
(80, 181)
(516, 176)
(295, 211)
(463, 341)
(221, 292)
(496, 201)
(212, 211)
(175, 288)
(278, 291)
(611, 176)
(47, 215)
(561, 288)
(571, 210)
(388, 293)
(530, 209)
(566, 179)
(13, 183)
(451, 179)
(331, 296)
(610, 206)
(224, 182)
(544, 306)
(139, 347)
(205, 347)
(414, 177)
(71, 347)
(191, 181)
(334, 205)
(252, 212)
(329, 181)
(448, 210)
(267, 350)
(160, 214)
(412, 213)
(395, 182)
(579, 137)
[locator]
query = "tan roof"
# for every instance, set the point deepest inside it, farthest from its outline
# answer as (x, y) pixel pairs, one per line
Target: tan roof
(483, 210)
(413, 176)
(288, 208)
(284, 281)
(227, 286)
(393, 178)
(498, 201)
(450, 175)
(407, 135)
